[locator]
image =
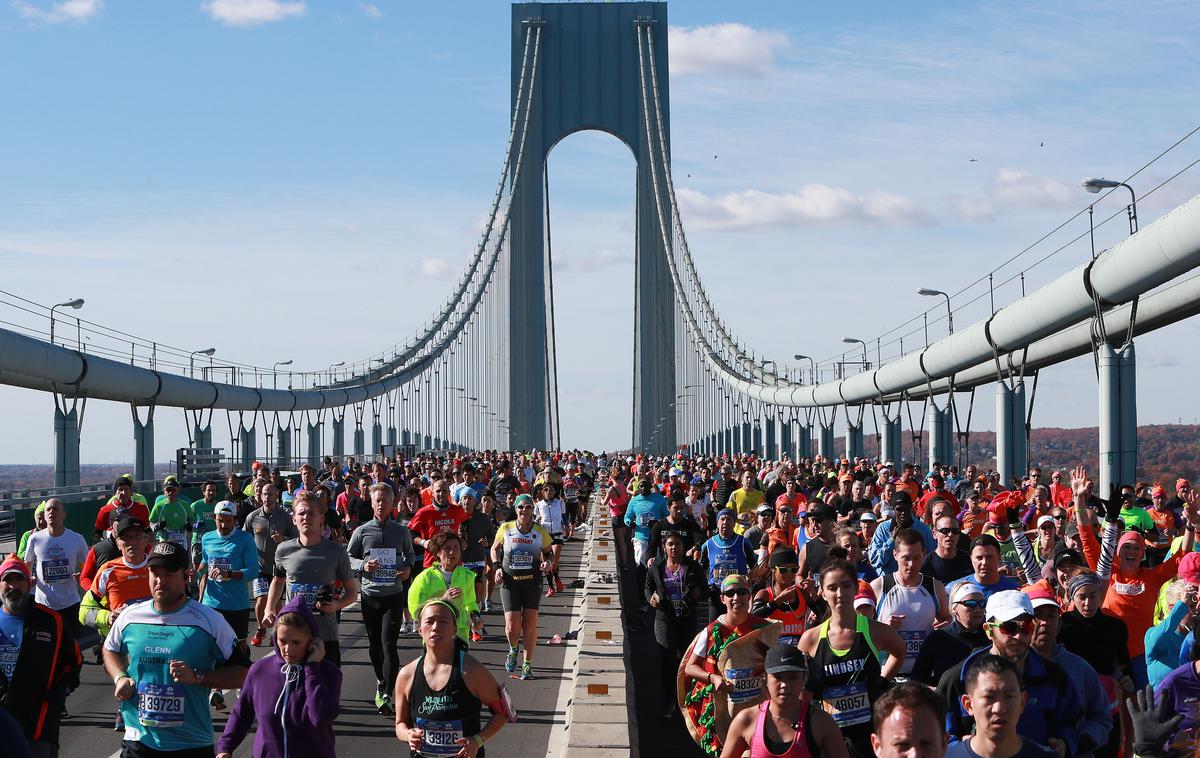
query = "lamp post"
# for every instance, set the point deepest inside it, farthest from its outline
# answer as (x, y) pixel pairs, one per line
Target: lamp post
(275, 372)
(192, 358)
(1094, 184)
(925, 291)
(331, 368)
(76, 304)
(812, 367)
(855, 341)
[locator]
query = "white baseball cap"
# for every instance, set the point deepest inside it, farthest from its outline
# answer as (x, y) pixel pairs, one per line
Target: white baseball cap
(1008, 605)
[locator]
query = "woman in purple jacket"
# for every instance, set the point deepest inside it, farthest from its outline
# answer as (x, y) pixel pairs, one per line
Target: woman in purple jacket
(293, 694)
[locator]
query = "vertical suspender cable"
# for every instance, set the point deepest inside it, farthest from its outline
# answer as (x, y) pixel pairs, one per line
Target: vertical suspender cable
(552, 358)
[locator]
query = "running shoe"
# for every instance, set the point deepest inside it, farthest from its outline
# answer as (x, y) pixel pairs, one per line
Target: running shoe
(510, 663)
(550, 592)
(383, 703)
(217, 700)
(487, 606)
(476, 636)
(118, 723)
(256, 640)
(558, 585)
(406, 627)
(526, 671)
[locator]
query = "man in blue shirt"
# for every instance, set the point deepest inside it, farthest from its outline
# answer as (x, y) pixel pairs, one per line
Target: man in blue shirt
(985, 558)
(879, 553)
(644, 509)
(228, 561)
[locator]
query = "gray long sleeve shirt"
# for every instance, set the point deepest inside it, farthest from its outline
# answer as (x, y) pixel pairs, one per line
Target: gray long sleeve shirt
(390, 543)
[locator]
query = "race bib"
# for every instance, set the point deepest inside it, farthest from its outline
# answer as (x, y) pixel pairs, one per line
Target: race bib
(262, 586)
(441, 737)
(847, 704)
(8, 658)
(160, 705)
(789, 639)
(306, 591)
(720, 572)
(221, 564)
(56, 570)
(385, 572)
(570, 493)
(745, 685)
(644, 519)
(176, 536)
(1132, 588)
(520, 561)
(912, 642)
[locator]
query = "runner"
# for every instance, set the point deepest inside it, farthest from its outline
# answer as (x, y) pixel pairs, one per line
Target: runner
(616, 497)
(203, 520)
(571, 487)
(724, 554)
(439, 695)
(520, 553)
(164, 656)
(171, 518)
(552, 516)
(784, 724)
(995, 696)
(702, 669)
(123, 502)
(381, 551)
(229, 560)
(55, 555)
(910, 602)
(308, 566)
(120, 582)
(308, 686)
(910, 722)
(782, 599)
(949, 645)
(39, 659)
(673, 588)
(269, 525)
(845, 649)
(439, 515)
(447, 578)
(478, 533)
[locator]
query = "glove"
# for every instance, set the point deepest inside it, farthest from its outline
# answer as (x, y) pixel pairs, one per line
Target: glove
(1151, 725)
(1113, 504)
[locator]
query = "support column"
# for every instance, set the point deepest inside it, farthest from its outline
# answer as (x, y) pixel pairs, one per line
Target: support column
(391, 435)
(1129, 441)
(941, 434)
(730, 446)
(202, 435)
(747, 438)
(1011, 455)
(339, 438)
(249, 448)
(756, 436)
(283, 446)
(785, 439)
(314, 444)
(825, 440)
(360, 443)
(66, 446)
(772, 450)
(891, 440)
(854, 437)
(804, 441)
(376, 437)
(143, 445)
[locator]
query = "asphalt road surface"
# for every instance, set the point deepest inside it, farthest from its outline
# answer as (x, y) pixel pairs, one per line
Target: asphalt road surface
(360, 730)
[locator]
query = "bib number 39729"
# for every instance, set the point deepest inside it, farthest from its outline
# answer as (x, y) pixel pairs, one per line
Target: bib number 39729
(160, 705)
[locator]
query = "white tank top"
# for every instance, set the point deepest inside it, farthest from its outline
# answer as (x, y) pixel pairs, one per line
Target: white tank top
(919, 606)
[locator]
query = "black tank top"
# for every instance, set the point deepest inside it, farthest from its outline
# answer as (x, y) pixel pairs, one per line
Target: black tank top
(847, 683)
(446, 715)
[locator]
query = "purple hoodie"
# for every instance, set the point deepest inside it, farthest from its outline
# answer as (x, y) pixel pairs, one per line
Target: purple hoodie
(307, 708)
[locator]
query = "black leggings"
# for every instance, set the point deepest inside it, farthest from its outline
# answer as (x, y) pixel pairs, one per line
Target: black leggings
(673, 636)
(382, 617)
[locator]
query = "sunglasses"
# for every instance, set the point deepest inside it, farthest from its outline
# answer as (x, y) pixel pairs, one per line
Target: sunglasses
(973, 604)
(788, 569)
(1014, 627)
(947, 530)
(736, 592)
(1059, 518)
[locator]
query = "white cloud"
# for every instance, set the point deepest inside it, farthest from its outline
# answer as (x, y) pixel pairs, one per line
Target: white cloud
(75, 11)
(724, 48)
(1016, 188)
(371, 10)
(437, 268)
(1159, 360)
(811, 205)
(252, 12)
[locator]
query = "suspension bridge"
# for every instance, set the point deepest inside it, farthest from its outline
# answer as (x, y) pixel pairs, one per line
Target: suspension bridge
(481, 371)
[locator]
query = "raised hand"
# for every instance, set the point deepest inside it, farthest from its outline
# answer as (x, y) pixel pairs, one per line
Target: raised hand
(1080, 484)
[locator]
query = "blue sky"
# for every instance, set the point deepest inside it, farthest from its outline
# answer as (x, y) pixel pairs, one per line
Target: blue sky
(303, 180)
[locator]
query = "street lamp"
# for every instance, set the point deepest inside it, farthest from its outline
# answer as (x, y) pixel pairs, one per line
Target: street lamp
(76, 304)
(938, 293)
(1094, 184)
(275, 372)
(192, 358)
(812, 367)
(856, 341)
(331, 368)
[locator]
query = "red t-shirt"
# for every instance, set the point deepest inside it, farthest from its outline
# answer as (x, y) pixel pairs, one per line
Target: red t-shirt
(137, 510)
(429, 520)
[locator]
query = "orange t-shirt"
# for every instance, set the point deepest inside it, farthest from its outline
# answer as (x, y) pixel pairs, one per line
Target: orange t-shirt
(121, 583)
(1131, 598)
(911, 488)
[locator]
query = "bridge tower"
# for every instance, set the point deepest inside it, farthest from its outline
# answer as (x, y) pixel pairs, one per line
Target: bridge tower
(588, 77)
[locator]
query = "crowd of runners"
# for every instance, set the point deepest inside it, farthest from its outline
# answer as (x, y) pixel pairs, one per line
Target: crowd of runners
(946, 613)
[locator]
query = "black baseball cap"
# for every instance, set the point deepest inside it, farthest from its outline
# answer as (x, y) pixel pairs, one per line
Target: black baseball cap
(127, 522)
(784, 658)
(170, 556)
(1064, 553)
(901, 497)
(822, 512)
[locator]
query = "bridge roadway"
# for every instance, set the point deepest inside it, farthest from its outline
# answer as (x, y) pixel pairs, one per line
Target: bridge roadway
(360, 730)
